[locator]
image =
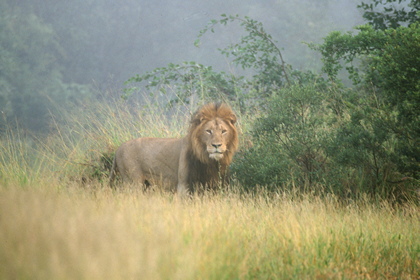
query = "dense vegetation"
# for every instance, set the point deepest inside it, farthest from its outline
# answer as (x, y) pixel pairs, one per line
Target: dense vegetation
(312, 130)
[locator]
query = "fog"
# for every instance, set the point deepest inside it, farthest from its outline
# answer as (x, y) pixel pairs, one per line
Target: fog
(53, 50)
(139, 36)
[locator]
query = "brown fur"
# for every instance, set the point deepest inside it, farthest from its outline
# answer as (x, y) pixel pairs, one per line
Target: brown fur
(199, 159)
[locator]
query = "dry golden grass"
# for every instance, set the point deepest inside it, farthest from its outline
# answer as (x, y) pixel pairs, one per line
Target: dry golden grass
(76, 233)
(53, 226)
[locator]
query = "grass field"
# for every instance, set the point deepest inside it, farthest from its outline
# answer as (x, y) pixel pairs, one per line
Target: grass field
(53, 226)
(100, 234)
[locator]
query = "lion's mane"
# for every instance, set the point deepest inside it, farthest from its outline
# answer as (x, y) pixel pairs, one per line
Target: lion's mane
(202, 169)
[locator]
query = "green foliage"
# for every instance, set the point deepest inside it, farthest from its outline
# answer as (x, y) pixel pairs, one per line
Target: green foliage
(290, 140)
(363, 145)
(186, 80)
(314, 137)
(391, 16)
(256, 50)
(388, 60)
(380, 139)
(391, 69)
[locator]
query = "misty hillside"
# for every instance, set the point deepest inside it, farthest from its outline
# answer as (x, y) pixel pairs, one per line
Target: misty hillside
(50, 50)
(108, 41)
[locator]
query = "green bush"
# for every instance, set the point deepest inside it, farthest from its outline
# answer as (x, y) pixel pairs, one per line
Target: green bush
(290, 140)
(390, 72)
(318, 139)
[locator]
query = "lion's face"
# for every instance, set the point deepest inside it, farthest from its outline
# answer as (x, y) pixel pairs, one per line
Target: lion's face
(212, 134)
(215, 135)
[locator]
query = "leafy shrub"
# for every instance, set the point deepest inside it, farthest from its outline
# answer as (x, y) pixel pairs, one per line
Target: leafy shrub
(290, 140)
(316, 139)
(391, 71)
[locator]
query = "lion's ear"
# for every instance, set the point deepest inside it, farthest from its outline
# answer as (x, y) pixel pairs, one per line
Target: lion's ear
(232, 119)
(197, 118)
(202, 118)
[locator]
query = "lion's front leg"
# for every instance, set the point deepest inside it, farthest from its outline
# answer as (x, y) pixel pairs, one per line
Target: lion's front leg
(183, 189)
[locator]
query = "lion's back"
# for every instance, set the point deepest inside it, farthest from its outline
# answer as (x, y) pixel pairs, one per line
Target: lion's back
(149, 159)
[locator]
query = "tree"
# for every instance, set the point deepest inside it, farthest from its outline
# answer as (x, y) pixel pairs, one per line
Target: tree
(290, 139)
(28, 72)
(185, 81)
(256, 50)
(390, 16)
(386, 62)
(30, 78)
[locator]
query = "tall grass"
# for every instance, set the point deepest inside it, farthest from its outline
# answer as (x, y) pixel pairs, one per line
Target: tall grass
(54, 228)
(132, 235)
(84, 140)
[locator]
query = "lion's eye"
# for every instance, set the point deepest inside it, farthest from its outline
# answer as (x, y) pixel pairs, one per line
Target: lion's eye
(224, 131)
(209, 131)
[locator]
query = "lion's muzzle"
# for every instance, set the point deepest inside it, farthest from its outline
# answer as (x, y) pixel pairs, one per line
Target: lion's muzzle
(215, 151)
(216, 156)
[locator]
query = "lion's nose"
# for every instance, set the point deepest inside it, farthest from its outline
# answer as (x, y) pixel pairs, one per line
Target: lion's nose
(216, 145)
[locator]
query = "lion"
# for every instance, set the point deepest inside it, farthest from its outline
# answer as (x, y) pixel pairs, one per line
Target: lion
(200, 159)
